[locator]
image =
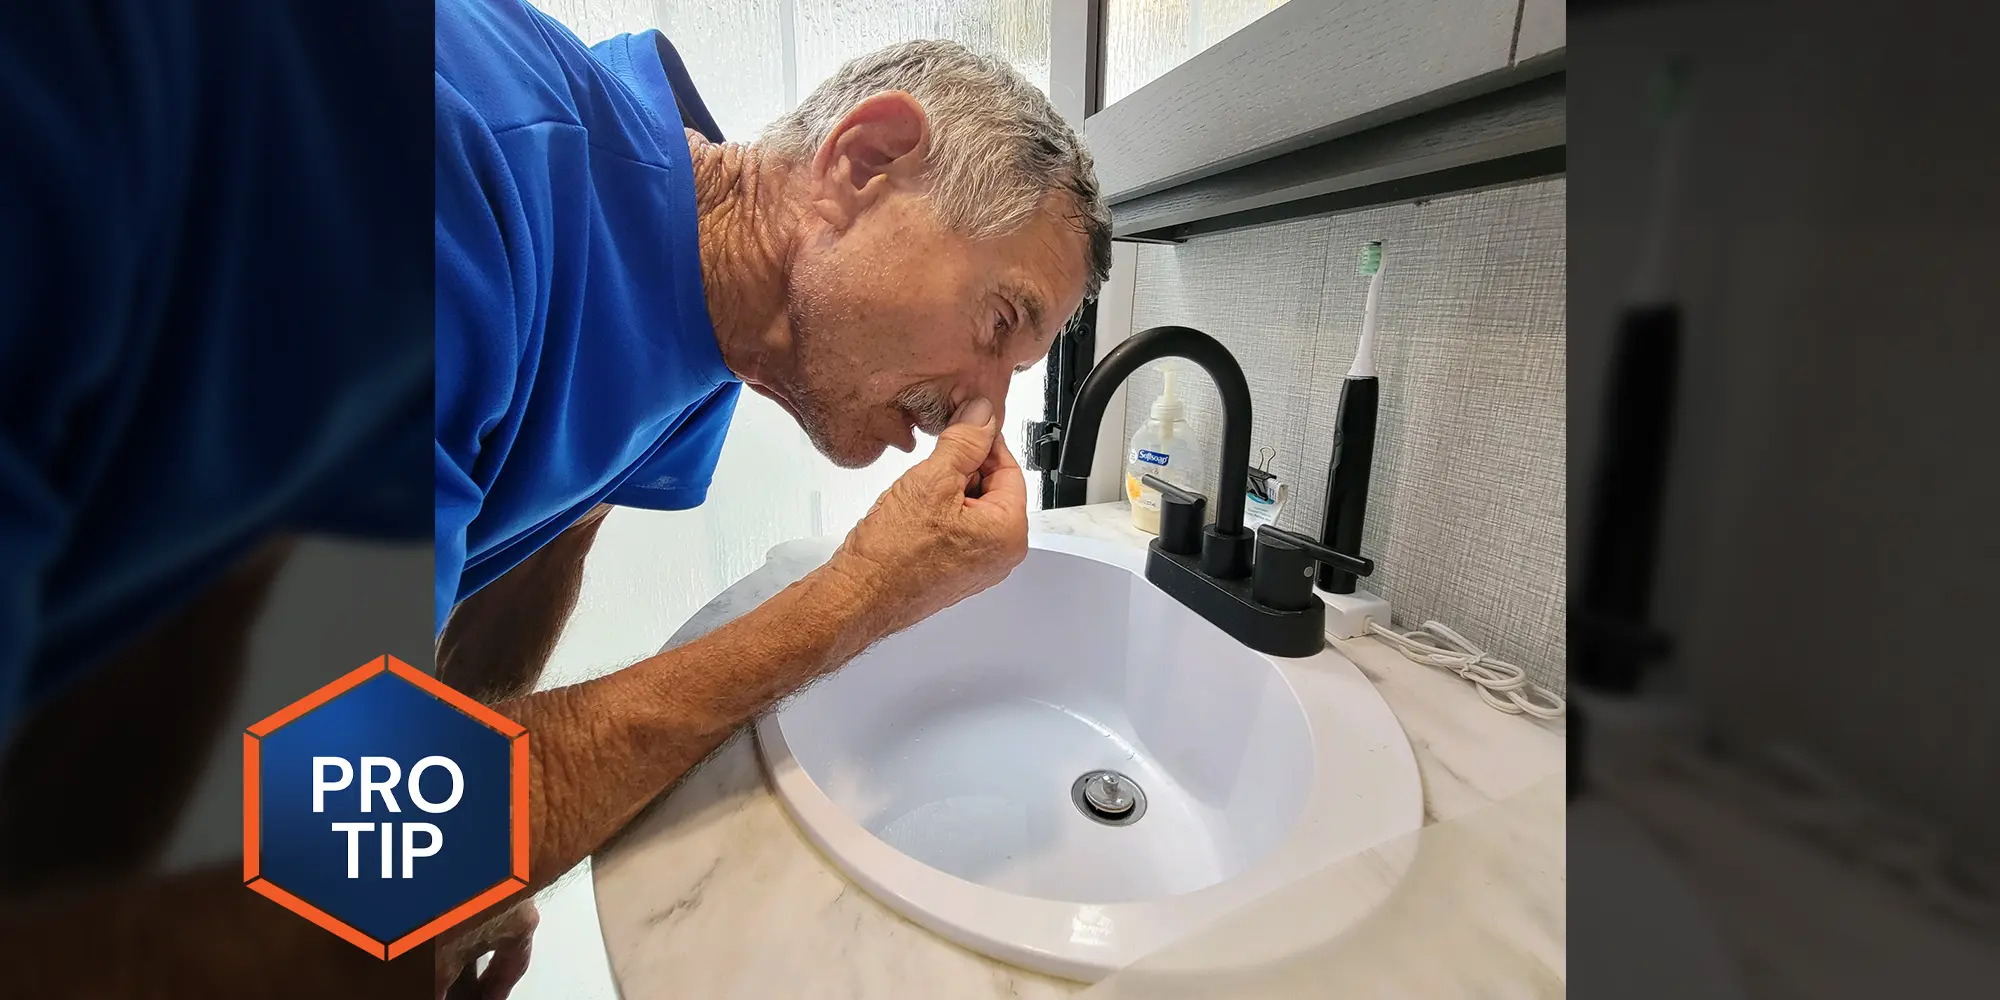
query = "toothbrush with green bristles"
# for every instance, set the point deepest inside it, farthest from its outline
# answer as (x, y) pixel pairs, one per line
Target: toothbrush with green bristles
(1371, 268)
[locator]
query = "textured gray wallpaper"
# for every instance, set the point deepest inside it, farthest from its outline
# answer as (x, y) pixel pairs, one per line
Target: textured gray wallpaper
(1466, 510)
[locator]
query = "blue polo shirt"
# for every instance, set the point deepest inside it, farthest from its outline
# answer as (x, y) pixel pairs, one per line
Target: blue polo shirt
(575, 359)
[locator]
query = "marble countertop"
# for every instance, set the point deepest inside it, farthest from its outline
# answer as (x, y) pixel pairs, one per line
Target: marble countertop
(711, 892)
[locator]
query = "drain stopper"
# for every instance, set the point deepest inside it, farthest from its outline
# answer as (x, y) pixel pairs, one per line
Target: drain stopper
(1109, 798)
(1107, 794)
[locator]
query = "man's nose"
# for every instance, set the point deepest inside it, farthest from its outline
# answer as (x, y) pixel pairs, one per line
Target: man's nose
(994, 388)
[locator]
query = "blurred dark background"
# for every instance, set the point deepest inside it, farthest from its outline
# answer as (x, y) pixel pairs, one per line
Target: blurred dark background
(1788, 765)
(215, 404)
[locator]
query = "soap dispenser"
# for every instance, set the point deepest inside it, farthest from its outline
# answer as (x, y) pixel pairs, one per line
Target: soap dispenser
(1165, 447)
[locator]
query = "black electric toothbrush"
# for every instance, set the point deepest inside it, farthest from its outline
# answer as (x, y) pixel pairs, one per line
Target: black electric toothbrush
(1353, 441)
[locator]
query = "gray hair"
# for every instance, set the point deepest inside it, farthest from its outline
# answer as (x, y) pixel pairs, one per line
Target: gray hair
(998, 147)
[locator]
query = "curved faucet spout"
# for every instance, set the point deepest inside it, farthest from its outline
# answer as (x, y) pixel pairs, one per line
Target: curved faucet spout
(1086, 416)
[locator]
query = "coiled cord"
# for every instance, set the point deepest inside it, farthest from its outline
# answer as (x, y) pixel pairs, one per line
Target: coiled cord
(1500, 684)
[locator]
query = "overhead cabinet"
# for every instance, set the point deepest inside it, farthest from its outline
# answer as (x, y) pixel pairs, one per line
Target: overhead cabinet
(1326, 105)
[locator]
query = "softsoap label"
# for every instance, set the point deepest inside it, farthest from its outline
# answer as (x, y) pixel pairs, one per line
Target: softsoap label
(385, 807)
(1152, 457)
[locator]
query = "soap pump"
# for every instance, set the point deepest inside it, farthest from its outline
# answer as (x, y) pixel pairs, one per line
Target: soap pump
(1165, 447)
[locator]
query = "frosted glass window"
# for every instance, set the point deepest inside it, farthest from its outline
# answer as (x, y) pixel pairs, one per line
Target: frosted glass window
(735, 53)
(734, 49)
(833, 31)
(596, 20)
(1145, 38)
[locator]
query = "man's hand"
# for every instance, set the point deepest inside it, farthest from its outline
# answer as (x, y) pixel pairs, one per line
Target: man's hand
(508, 937)
(951, 527)
(606, 747)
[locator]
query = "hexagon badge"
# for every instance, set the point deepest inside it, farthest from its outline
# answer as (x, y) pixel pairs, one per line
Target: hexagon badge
(385, 807)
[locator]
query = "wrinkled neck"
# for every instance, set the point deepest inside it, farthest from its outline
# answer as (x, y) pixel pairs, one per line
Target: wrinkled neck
(746, 240)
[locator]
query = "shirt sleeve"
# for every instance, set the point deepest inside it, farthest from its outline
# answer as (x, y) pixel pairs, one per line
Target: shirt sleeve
(676, 477)
(480, 325)
(575, 358)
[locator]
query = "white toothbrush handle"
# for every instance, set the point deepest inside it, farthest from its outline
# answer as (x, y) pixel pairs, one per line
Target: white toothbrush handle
(1364, 356)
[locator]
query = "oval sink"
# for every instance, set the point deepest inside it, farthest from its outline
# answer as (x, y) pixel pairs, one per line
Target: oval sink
(1072, 769)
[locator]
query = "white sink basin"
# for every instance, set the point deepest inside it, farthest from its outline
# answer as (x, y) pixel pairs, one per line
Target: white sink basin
(937, 770)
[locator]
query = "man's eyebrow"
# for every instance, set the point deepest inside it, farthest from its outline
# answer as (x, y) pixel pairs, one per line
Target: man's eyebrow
(1033, 304)
(1030, 304)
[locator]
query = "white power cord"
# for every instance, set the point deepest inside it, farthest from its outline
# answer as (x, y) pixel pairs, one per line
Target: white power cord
(1500, 684)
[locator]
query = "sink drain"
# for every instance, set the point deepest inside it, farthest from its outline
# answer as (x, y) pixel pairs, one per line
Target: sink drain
(1109, 798)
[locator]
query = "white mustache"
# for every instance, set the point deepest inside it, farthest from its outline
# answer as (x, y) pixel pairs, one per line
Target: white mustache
(931, 409)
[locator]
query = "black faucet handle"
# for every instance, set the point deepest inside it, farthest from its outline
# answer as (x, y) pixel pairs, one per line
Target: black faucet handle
(1181, 514)
(1282, 575)
(1357, 565)
(1171, 491)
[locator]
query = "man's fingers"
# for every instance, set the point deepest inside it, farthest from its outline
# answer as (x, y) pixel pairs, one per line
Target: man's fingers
(466, 986)
(975, 484)
(509, 936)
(965, 444)
(998, 455)
(504, 972)
(1001, 478)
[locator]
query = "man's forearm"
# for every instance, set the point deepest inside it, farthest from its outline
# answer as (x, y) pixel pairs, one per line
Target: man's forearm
(601, 750)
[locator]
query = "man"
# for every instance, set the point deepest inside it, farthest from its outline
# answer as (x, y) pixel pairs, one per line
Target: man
(881, 260)
(215, 335)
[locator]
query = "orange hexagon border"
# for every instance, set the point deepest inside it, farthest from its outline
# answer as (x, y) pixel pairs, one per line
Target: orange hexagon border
(517, 737)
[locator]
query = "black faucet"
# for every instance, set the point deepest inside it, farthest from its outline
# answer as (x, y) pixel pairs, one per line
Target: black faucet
(1225, 548)
(1209, 569)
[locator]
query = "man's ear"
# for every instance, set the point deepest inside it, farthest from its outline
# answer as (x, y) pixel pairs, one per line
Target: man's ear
(875, 147)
